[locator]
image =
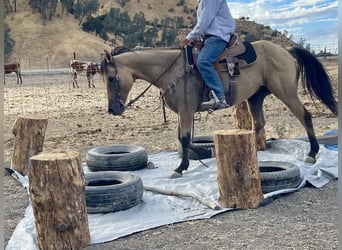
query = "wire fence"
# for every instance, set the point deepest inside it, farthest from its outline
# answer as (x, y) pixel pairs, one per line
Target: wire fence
(48, 92)
(51, 94)
(330, 49)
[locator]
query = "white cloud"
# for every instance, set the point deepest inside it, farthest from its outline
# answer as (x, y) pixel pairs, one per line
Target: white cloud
(307, 19)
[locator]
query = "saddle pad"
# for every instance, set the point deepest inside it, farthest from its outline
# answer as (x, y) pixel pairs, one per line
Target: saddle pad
(245, 58)
(249, 56)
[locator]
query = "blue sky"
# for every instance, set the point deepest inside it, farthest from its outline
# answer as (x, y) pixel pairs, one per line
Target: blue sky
(316, 21)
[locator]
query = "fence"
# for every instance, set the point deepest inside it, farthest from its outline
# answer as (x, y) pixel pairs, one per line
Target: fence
(51, 94)
(330, 49)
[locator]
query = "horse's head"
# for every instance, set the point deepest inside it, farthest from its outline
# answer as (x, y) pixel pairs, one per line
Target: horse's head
(118, 85)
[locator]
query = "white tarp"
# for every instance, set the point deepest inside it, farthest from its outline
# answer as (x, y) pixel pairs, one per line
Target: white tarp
(157, 210)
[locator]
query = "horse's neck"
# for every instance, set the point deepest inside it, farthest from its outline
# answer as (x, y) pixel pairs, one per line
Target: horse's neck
(149, 65)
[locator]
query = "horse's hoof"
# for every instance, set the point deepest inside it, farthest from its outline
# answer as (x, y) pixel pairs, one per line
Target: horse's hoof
(175, 175)
(150, 165)
(310, 159)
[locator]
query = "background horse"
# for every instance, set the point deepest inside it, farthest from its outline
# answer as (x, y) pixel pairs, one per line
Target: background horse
(77, 67)
(276, 71)
(13, 68)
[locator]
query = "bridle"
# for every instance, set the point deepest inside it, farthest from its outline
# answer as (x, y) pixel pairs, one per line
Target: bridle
(116, 81)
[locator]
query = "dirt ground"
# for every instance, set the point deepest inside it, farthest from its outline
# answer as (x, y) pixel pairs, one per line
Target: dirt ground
(78, 121)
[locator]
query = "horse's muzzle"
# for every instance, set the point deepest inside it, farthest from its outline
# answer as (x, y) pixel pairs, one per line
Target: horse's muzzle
(116, 107)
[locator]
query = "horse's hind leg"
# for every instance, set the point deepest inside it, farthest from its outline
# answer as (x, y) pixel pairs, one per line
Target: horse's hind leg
(298, 109)
(20, 79)
(91, 83)
(255, 106)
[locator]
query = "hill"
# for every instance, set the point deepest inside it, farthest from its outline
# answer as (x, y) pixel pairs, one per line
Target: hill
(42, 43)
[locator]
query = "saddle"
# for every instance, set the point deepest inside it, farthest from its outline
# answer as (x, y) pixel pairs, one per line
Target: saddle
(236, 55)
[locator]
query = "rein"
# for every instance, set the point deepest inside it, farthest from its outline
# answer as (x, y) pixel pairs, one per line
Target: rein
(173, 83)
(140, 95)
(118, 80)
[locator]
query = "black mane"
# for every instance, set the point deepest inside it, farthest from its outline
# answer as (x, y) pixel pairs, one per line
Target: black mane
(119, 50)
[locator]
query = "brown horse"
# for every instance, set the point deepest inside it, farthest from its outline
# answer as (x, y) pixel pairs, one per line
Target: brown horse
(276, 71)
(77, 67)
(13, 68)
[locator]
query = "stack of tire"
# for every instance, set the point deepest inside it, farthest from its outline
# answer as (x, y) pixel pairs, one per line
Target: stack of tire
(111, 186)
(274, 175)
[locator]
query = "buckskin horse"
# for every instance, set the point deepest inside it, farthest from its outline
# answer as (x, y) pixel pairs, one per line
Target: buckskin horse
(276, 71)
(89, 68)
(13, 68)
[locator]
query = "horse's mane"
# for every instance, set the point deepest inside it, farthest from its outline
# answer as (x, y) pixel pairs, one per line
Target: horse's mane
(122, 49)
(119, 50)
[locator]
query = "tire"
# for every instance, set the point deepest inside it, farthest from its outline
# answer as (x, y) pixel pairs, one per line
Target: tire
(201, 147)
(112, 191)
(277, 175)
(116, 158)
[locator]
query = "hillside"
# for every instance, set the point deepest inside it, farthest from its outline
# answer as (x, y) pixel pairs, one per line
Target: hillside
(38, 41)
(51, 44)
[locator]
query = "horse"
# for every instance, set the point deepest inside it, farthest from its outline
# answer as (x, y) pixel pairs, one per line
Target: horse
(13, 68)
(89, 68)
(276, 71)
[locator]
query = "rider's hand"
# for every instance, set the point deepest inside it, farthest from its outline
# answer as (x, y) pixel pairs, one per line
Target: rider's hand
(184, 43)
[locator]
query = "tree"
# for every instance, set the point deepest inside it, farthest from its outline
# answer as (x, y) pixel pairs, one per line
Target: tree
(46, 8)
(8, 41)
(84, 8)
(301, 43)
(67, 5)
(168, 37)
(94, 24)
(117, 23)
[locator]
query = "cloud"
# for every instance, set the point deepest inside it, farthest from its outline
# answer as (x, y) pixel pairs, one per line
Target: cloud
(307, 19)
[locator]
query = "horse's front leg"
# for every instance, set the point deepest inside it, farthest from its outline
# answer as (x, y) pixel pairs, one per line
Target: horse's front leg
(184, 129)
(185, 142)
(92, 81)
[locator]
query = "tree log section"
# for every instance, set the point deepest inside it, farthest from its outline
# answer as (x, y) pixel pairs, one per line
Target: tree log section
(29, 136)
(57, 192)
(238, 174)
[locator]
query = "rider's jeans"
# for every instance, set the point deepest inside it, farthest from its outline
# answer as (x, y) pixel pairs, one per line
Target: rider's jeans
(213, 46)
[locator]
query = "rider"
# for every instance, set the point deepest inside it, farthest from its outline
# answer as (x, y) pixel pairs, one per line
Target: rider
(215, 25)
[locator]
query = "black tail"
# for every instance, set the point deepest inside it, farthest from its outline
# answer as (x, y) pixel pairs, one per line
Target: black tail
(315, 79)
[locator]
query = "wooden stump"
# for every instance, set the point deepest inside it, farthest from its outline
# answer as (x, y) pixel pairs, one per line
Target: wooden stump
(57, 192)
(29, 136)
(244, 120)
(238, 176)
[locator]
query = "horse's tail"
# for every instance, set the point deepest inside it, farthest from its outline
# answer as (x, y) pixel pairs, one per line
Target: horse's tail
(315, 79)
